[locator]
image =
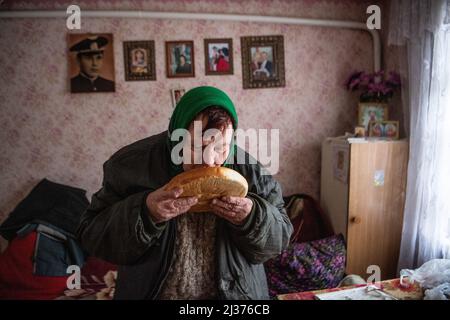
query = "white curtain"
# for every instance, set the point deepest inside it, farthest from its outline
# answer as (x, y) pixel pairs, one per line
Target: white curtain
(422, 27)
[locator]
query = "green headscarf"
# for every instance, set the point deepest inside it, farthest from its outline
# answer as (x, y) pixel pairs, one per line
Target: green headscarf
(192, 103)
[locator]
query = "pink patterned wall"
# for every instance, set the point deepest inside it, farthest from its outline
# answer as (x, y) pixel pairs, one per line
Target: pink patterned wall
(47, 132)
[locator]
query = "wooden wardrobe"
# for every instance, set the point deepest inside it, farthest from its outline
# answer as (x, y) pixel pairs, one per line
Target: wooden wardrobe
(363, 192)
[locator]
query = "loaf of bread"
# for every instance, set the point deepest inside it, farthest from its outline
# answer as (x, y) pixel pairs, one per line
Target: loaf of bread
(209, 183)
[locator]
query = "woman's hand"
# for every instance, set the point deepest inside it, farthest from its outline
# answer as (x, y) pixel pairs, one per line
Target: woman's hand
(233, 209)
(165, 205)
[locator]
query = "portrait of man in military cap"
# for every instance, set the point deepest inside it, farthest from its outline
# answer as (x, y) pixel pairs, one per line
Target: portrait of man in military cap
(91, 63)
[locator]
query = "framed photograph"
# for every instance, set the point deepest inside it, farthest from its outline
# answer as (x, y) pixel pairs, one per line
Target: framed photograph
(384, 129)
(139, 60)
(372, 112)
(263, 62)
(176, 95)
(180, 59)
(218, 56)
(91, 62)
(341, 162)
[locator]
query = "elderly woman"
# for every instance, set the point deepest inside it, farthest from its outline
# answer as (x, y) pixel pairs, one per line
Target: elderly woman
(164, 252)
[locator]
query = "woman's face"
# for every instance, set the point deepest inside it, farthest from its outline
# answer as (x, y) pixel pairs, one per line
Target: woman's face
(213, 149)
(257, 57)
(182, 60)
(139, 55)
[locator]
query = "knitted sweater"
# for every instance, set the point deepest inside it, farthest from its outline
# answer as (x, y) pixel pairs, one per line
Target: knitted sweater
(192, 274)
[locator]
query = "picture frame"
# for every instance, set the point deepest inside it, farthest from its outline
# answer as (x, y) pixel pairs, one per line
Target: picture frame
(139, 60)
(372, 112)
(218, 56)
(91, 62)
(176, 95)
(384, 129)
(180, 59)
(341, 153)
(263, 64)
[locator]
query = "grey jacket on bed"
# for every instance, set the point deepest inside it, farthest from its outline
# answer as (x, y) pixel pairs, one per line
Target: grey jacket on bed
(116, 227)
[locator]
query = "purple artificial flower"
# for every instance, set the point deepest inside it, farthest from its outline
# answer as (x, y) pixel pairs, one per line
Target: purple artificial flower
(387, 91)
(366, 79)
(374, 86)
(394, 79)
(354, 81)
(354, 84)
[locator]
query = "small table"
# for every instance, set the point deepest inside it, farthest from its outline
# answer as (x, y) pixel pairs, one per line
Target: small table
(392, 287)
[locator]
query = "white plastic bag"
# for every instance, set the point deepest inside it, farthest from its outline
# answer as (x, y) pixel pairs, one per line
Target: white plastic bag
(430, 275)
(441, 292)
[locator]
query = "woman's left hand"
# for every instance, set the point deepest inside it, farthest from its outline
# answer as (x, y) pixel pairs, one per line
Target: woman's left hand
(233, 209)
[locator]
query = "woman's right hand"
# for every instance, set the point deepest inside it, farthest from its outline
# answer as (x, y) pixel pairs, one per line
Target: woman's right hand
(165, 205)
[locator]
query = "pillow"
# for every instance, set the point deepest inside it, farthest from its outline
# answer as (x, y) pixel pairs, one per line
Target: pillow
(307, 266)
(17, 277)
(22, 279)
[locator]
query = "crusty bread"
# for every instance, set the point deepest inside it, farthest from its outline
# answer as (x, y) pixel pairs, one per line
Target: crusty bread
(209, 183)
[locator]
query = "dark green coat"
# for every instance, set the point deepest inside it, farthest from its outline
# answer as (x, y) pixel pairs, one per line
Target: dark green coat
(116, 227)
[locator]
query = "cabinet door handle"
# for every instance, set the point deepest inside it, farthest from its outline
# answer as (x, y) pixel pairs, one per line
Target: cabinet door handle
(355, 220)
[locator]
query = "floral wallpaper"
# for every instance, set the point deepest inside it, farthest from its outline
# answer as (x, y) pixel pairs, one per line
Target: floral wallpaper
(48, 132)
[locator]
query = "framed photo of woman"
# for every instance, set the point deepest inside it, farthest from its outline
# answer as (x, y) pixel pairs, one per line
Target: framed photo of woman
(139, 60)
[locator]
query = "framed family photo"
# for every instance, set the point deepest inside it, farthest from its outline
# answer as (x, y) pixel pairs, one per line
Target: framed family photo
(91, 62)
(368, 112)
(218, 56)
(263, 61)
(180, 59)
(384, 129)
(139, 60)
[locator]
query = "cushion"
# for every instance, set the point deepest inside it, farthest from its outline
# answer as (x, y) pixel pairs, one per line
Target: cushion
(306, 266)
(17, 278)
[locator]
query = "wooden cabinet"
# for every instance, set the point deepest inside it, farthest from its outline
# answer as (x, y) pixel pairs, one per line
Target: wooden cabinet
(363, 192)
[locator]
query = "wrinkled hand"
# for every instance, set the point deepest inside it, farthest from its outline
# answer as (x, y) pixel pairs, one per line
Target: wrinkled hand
(165, 205)
(233, 209)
